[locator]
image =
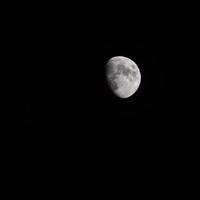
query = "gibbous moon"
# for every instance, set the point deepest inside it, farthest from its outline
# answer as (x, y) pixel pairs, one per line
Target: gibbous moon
(123, 76)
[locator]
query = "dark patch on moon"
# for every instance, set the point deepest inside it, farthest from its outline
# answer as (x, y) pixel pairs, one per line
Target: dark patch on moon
(113, 83)
(134, 74)
(121, 69)
(126, 71)
(133, 66)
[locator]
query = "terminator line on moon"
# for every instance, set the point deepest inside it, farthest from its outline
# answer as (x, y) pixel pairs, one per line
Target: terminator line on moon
(123, 76)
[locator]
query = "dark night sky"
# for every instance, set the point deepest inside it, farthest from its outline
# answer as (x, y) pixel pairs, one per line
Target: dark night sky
(52, 72)
(164, 47)
(52, 77)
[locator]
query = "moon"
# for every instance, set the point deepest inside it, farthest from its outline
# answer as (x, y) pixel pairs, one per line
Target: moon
(123, 76)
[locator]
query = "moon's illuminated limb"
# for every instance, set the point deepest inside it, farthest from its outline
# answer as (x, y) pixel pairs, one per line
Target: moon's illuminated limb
(123, 76)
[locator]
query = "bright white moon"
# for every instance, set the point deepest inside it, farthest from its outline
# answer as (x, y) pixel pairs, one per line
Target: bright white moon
(123, 76)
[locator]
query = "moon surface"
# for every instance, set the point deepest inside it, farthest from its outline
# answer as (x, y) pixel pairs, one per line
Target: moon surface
(123, 76)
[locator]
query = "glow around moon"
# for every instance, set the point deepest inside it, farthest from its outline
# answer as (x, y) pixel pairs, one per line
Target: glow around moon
(123, 76)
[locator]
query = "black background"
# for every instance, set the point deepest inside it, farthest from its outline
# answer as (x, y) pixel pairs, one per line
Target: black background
(52, 78)
(52, 73)
(52, 69)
